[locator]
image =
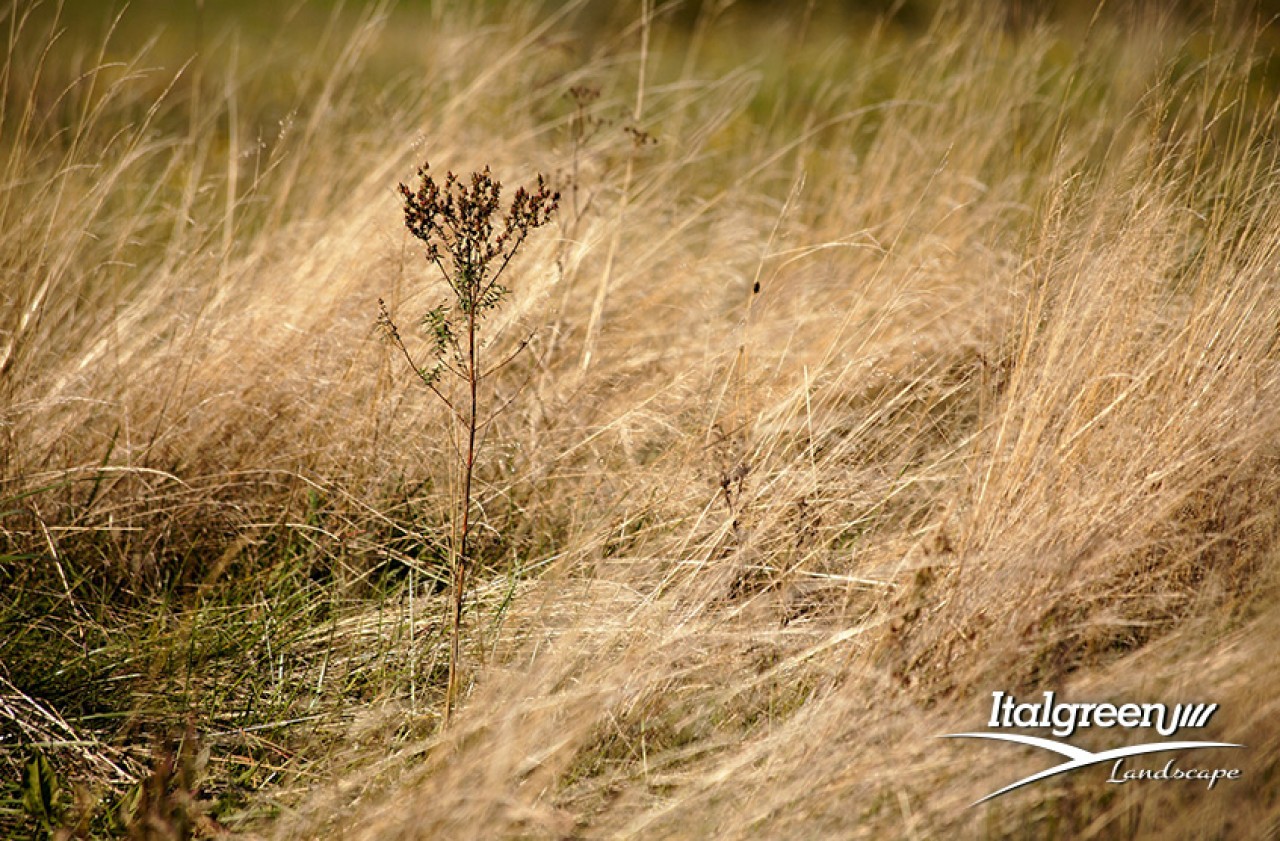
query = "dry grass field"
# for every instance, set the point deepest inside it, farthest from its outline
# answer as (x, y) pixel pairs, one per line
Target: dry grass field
(877, 361)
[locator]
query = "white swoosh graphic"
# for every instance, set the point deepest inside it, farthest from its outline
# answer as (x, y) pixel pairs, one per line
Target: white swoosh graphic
(1079, 757)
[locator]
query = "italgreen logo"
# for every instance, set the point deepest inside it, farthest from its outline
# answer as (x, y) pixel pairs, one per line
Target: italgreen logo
(1065, 719)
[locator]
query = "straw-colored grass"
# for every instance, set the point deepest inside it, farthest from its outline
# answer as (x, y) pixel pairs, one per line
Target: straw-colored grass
(878, 366)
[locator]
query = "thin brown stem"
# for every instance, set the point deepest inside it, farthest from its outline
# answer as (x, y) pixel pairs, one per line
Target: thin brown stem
(461, 561)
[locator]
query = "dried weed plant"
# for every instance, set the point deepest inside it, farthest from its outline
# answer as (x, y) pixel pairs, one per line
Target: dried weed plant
(470, 241)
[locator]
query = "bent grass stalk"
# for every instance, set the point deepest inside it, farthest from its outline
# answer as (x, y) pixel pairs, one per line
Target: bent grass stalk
(471, 248)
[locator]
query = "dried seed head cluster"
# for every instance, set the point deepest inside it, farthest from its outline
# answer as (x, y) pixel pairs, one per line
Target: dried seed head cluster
(465, 238)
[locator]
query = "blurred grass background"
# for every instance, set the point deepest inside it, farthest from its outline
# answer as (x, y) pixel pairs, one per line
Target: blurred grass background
(1002, 415)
